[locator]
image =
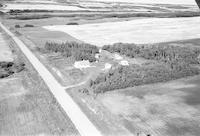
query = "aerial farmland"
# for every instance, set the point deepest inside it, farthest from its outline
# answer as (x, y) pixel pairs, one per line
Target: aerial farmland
(99, 67)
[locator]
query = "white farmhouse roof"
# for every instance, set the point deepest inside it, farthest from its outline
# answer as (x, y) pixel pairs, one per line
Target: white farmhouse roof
(82, 64)
(124, 63)
(118, 57)
(107, 66)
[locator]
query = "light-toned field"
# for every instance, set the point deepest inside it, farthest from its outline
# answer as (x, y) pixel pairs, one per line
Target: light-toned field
(190, 2)
(94, 4)
(166, 109)
(5, 51)
(36, 1)
(141, 31)
(12, 6)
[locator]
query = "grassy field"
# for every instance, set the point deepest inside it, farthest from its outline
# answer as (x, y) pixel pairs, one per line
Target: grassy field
(29, 110)
(40, 36)
(26, 105)
(167, 109)
(21, 113)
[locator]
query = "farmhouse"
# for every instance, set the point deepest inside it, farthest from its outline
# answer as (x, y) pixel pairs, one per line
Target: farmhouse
(82, 64)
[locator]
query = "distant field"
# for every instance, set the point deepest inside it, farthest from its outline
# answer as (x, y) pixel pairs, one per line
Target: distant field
(35, 1)
(141, 31)
(192, 2)
(41, 7)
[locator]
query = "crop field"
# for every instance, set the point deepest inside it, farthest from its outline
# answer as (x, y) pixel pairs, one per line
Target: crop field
(167, 109)
(141, 31)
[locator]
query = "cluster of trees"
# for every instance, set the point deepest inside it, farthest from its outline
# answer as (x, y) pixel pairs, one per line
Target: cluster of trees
(17, 26)
(79, 51)
(9, 68)
(26, 25)
(165, 53)
(72, 23)
(172, 62)
(29, 17)
(153, 14)
(135, 75)
(16, 11)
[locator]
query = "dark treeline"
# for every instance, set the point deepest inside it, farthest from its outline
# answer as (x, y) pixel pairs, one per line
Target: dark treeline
(165, 53)
(14, 11)
(130, 76)
(172, 62)
(28, 25)
(80, 51)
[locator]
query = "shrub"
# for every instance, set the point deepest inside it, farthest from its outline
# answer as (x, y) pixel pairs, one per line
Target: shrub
(9, 68)
(72, 23)
(18, 33)
(27, 25)
(17, 26)
(84, 91)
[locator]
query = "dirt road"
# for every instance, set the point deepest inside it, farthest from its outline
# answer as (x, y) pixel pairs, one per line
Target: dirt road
(80, 120)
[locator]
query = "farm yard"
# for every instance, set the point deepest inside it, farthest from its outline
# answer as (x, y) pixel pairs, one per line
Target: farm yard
(131, 66)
